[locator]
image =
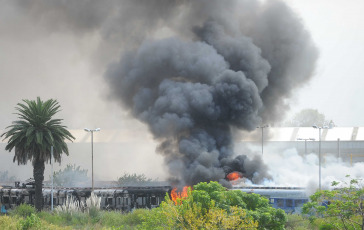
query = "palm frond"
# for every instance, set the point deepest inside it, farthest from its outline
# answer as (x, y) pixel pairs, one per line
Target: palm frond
(35, 131)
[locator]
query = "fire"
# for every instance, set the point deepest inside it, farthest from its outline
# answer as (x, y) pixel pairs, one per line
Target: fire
(234, 176)
(177, 197)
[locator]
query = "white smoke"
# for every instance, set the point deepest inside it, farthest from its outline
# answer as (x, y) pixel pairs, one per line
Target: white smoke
(290, 169)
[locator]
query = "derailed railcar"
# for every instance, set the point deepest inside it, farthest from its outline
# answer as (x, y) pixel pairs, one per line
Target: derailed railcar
(147, 197)
(11, 197)
(124, 199)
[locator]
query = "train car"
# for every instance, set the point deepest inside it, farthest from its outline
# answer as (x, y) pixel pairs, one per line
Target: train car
(290, 199)
(123, 198)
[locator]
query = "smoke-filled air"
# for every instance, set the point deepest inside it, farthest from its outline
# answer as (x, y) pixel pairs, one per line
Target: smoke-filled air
(219, 65)
(191, 70)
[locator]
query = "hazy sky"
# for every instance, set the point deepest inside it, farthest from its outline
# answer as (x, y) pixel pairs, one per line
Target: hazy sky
(36, 60)
(337, 27)
(57, 64)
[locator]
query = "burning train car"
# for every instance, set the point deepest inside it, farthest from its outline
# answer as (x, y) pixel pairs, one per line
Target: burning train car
(123, 198)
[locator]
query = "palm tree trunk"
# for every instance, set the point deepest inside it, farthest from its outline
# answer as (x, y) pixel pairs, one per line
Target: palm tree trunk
(38, 173)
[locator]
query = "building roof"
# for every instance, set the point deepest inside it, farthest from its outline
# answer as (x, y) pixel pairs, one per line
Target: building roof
(270, 134)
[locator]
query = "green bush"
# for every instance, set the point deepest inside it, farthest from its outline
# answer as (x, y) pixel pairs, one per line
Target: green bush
(51, 218)
(24, 210)
(297, 222)
(79, 219)
(94, 214)
(8, 222)
(136, 217)
(327, 227)
(30, 222)
(112, 219)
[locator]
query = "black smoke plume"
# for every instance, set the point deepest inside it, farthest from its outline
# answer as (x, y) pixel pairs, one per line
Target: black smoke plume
(192, 70)
(227, 64)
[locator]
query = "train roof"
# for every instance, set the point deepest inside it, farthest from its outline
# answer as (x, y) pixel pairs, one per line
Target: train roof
(276, 192)
(269, 187)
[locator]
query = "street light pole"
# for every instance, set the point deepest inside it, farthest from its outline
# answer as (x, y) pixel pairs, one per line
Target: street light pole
(52, 178)
(320, 158)
(92, 152)
(319, 128)
(262, 127)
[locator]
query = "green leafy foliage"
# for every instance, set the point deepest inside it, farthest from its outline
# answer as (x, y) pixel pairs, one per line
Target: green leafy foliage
(24, 210)
(70, 176)
(255, 205)
(35, 132)
(298, 222)
(32, 136)
(340, 208)
(30, 222)
(192, 215)
(9, 222)
(211, 206)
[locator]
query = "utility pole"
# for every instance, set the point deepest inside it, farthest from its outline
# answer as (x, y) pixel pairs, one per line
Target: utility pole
(319, 128)
(92, 152)
(262, 127)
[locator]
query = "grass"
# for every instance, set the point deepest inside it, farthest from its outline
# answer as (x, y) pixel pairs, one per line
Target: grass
(24, 217)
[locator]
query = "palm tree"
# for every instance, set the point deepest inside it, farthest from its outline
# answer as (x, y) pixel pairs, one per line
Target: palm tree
(33, 135)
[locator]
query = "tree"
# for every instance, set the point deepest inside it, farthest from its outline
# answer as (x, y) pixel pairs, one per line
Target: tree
(33, 135)
(211, 206)
(131, 179)
(197, 214)
(307, 118)
(340, 208)
(256, 206)
(70, 176)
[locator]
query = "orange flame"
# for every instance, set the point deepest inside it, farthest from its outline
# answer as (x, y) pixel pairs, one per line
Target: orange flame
(177, 197)
(234, 176)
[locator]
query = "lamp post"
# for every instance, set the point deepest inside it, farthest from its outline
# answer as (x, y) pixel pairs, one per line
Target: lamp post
(262, 127)
(306, 139)
(92, 152)
(52, 178)
(319, 128)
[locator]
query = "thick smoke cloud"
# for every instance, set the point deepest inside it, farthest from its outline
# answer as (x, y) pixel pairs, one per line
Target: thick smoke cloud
(192, 70)
(215, 72)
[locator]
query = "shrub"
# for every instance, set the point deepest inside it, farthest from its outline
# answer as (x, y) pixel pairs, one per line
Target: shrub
(339, 208)
(51, 218)
(297, 222)
(8, 222)
(112, 219)
(327, 226)
(193, 215)
(32, 221)
(23, 210)
(136, 217)
(79, 218)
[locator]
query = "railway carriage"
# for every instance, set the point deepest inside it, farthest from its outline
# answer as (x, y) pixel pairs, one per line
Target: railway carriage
(290, 199)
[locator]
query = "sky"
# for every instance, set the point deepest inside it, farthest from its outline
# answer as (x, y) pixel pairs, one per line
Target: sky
(38, 61)
(337, 87)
